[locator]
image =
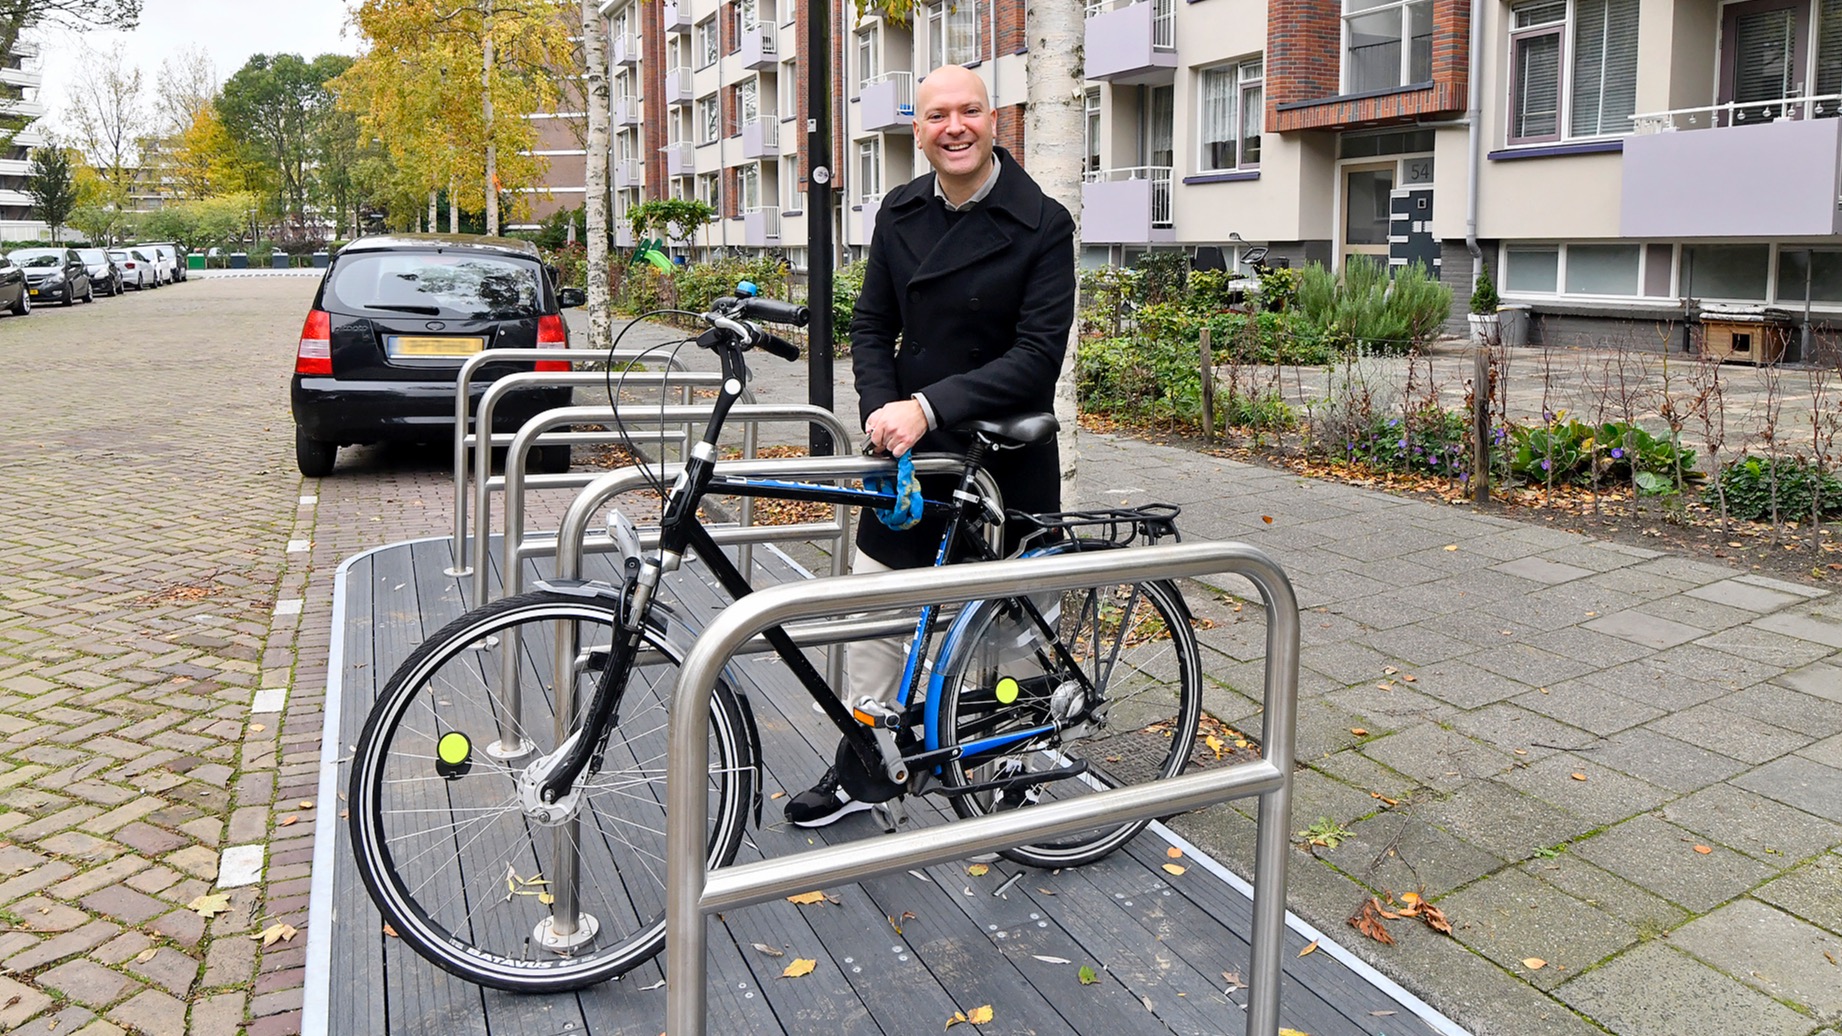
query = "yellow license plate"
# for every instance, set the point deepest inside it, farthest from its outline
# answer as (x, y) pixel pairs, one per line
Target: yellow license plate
(435, 345)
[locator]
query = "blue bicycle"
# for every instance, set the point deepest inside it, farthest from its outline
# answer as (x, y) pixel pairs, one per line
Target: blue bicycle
(507, 801)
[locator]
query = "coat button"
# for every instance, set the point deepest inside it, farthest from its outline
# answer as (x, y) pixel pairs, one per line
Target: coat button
(973, 303)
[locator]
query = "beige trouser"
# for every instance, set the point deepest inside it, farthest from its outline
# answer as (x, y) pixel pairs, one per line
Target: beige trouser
(873, 667)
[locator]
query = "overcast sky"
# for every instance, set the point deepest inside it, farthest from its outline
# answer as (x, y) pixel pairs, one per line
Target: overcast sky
(228, 30)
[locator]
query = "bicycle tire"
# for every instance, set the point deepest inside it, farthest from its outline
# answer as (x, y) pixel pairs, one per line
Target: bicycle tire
(1147, 734)
(453, 862)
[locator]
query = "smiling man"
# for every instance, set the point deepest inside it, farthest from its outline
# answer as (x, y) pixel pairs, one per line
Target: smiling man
(964, 315)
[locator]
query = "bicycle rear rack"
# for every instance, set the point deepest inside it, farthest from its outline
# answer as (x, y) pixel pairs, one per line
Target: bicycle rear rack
(693, 893)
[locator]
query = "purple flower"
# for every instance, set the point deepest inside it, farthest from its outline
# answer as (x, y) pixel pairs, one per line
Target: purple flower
(1548, 416)
(1618, 453)
(1544, 465)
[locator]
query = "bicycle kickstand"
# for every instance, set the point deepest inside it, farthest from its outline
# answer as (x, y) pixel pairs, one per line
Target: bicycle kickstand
(892, 814)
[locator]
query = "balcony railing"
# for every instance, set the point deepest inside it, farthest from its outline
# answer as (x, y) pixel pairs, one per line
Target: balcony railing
(677, 15)
(678, 88)
(1159, 177)
(761, 136)
(760, 46)
(1735, 113)
(761, 225)
(629, 172)
(1163, 18)
(679, 158)
(1127, 206)
(1132, 42)
(626, 110)
(626, 49)
(887, 102)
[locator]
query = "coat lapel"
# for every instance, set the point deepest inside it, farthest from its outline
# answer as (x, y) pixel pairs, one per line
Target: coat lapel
(975, 238)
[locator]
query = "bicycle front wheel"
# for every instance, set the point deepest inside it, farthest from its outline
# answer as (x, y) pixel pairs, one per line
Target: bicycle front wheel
(461, 869)
(1131, 643)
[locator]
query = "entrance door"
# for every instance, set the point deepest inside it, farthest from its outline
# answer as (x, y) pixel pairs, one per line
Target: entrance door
(1763, 43)
(1366, 193)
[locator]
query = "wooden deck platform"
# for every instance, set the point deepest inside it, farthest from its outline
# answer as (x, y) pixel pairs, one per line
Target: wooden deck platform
(899, 954)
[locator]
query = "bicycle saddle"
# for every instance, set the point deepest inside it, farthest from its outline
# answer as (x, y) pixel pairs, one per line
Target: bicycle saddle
(1011, 432)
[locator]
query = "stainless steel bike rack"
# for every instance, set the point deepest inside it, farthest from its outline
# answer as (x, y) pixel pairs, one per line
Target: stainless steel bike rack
(463, 438)
(693, 893)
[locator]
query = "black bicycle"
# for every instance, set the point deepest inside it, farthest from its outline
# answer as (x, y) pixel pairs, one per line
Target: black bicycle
(507, 798)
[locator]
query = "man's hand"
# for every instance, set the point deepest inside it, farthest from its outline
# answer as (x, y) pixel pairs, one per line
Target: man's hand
(896, 427)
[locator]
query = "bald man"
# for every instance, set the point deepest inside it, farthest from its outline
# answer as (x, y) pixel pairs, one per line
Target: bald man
(972, 269)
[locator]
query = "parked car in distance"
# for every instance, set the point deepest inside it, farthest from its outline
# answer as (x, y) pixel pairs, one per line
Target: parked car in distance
(137, 270)
(105, 276)
(13, 295)
(54, 275)
(170, 256)
(394, 318)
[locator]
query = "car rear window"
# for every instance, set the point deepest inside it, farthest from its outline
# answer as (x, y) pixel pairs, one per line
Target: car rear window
(441, 284)
(93, 256)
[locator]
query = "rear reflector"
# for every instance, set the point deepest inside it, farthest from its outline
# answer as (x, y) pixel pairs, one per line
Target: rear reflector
(552, 335)
(315, 355)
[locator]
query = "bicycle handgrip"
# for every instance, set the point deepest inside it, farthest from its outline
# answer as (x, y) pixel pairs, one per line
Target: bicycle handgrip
(777, 345)
(775, 311)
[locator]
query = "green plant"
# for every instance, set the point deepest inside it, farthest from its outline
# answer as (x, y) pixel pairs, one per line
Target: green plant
(1325, 832)
(846, 285)
(1786, 487)
(1278, 288)
(1484, 294)
(674, 219)
(1267, 411)
(1565, 451)
(1365, 306)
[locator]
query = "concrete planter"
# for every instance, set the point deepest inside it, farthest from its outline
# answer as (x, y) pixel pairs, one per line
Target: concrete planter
(1483, 327)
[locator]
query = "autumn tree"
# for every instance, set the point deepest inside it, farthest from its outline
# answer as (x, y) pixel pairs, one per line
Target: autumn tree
(109, 117)
(51, 183)
(448, 87)
(271, 109)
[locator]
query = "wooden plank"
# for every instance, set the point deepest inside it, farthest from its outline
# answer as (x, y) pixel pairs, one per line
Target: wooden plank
(358, 954)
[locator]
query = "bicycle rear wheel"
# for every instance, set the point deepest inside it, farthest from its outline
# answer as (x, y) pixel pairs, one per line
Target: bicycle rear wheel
(1132, 642)
(459, 868)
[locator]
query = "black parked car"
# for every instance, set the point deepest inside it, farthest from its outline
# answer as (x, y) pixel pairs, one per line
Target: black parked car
(105, 276)
(55, 274)
(13, 296)
(392, 322)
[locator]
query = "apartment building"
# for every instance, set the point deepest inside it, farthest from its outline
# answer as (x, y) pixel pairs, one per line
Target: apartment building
(20, 78)
(710, 102)
(1634, 157)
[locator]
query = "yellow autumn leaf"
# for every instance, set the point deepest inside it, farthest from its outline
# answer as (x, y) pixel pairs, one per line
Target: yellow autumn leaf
(1308, 949)
(807, 898)
(979, 1015)
(277, 932)
(1292, 1032)
(800, 966)
(1174, 853)
(1215, 745)
(290, 820)
(210, 905)
(978, 870)
(1534, 963)
(1173, 868)
(958, 1016)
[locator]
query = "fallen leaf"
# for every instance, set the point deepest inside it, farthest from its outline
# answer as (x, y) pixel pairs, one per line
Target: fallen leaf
(392, 932)
(1451, 546)
(306, 804)
(978, 870)
(1174, 853)
(1389, 670)
(1292, 1032)
(257, 728)
(979, 1015)
(1381, 1014)
(1087, 976)
(1410, 898)
(1312, 946)
(1174, 868)
(277, 932)
(1360, 731)
(1233, 978)
(807, 898)
(210, 905)
(1534, 963)
(1409, 677)
(800, 966)
(1578, 776)
(1051, 960)
(1147, 1002)
(1521, 751)
(772, 951)
(1831, 958)
(778, 795)
(142, 957)
(1368, 921)
(958, 1016)
(1215, 745)
(1267, 518)
(1703, 850)
(1385, 685)
(290, 820)
(1435, 917)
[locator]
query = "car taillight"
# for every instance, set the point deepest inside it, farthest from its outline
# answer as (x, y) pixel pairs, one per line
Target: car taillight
(551, 335)
(315, 355)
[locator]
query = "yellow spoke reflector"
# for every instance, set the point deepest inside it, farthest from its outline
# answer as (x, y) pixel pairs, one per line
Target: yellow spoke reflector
(454, 748)
(1007, 690)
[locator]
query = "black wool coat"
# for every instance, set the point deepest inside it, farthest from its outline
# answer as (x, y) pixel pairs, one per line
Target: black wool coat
(972, 310)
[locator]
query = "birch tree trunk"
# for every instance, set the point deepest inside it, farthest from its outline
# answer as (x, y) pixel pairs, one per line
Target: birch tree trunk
(596, 96)
(1054, 145)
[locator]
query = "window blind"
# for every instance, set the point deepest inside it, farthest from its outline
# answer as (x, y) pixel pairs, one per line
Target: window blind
(1537, 112)
(1604, 70)
(1828, 52)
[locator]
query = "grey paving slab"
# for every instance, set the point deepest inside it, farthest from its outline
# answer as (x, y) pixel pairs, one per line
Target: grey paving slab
(1593, 555)
(1782, 586)
(1752, 643)
(1663, 858)
(1502, 820)
(1346, 662)
(1528, 734)
(1527, 664)
(1821, 625)
(1688, 570)
(1692, 611)
(1715, 725)
(1648, 630)
(1746, 596)
(1485, 629)
(1583, 703)
(1650, 915)
(1772, 951)
(1820, 679)
(1791, 709)
(1812, 891)
(1365, 774)
(1543, 570)
(1437, 757)
(1655, 990)
(1755, 825)
(1638, 582)
(1458, 682)
(1605, 796)
(1392, 709)
(1665, 761)
(1796, 781)
(1397, 851)
(1827, 751)
(1715, 670)
(1510, 916)
(1417, 645)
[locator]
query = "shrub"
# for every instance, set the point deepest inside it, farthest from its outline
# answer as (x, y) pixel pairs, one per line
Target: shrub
(1429, 441)
(846, 285)
(1366, 307)
(1752, 485)
(1484, 294)
(571, 262)
(1568, 451)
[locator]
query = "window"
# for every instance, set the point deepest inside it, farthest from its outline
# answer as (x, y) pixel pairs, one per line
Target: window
(1581, 269)
(1822, 269)
(709, 120)
(1725, 271)
(1090, 163)
(953, 33)
(866, 57)
(869, 169)
(1233, 108)
(789, 178)
(1387, 44)
(1532, 270)
(1569, 82)
(747, 15)
(706, 42)
(748, 102)
(748, 182)
(787, 88)
(1160, 115)
(710, 190)
(1603, 269)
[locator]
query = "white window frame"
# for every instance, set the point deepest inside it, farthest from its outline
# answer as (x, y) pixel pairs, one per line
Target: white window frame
(786, 88)
(1505, 271)
(789, 178)
(1246, 85)
(869, 169)
(1572, 54)
(709, 119)
(748, 15)
(708, 46)
(748, 186)
(945, 21)
(866, 56)
(1355, 9)
(710, 190)
(1090, 127)
(748, 101)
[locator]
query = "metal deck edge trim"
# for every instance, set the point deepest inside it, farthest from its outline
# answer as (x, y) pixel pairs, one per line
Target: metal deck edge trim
(316, 985)
(1432, 1016)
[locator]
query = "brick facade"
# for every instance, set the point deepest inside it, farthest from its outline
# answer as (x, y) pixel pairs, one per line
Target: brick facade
(1011, 36)
(1304, 55)
(652, 99)
(1010, 131)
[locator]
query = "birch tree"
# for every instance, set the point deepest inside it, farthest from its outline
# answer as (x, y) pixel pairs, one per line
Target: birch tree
(595, 57)
(109, 114)
(1055, 129)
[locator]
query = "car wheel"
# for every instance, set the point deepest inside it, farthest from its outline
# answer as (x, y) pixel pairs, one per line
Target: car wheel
(70, 295)
(24, 305)
(314, 457)
(549, 460)
(89, 293)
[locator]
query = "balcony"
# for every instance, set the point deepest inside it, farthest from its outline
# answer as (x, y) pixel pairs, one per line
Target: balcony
(1127, 207)
(761, 226)
(887, 103)
(759, 46)
(678, 86)
(629, 172)
(872, 204)
(1753, 170)
(21, 77)
(677, 16)
(626, 50)
(1131, 42)
(761, 136)
(23, 108)
(679, 159)
(626, 111)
